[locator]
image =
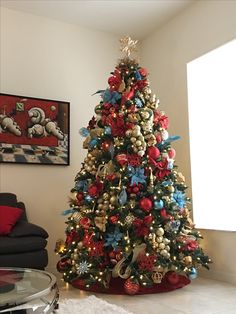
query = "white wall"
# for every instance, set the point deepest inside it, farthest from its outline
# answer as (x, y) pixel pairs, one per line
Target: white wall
(197, 30)
(49, 59)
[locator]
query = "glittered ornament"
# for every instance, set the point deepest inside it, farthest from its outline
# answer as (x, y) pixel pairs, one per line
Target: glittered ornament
(63, 265)
(131, 287)
(187, 260)
(145, 204)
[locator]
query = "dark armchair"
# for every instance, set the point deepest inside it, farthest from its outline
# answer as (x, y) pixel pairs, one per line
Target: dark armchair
(22, 244)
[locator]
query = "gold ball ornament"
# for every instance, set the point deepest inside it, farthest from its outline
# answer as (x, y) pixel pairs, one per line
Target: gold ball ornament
(160, 231)
(187, 260)
(113, 200)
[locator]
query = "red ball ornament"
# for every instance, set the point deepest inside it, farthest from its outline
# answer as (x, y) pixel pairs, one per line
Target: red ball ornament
(106, 145)
(145, 204)
(113, 219)
(172, 277)
(153, 152)
(63, 265)
(171, 153)
(131, 287)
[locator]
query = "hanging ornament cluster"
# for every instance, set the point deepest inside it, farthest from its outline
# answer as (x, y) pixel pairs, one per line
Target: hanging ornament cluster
(129, 216)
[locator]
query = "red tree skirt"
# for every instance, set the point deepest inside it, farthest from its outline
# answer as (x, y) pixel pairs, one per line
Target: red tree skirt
(117, 286)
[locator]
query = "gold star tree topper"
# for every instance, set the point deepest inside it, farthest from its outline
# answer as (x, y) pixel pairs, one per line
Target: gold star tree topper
(128, 45)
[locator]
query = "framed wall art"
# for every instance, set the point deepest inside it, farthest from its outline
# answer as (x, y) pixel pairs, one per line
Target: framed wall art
(34, 130)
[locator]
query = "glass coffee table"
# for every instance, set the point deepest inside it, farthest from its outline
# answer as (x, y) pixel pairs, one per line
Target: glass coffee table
(30, 291)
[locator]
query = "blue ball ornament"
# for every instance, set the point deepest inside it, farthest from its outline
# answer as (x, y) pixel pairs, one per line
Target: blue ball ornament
(107, 130)
(158, 204)
(88, 198)
(193, 273)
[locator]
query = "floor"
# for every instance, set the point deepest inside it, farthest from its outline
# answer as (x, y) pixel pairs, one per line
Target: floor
(202, 296)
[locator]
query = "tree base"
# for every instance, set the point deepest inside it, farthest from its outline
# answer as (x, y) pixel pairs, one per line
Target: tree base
(117, 286)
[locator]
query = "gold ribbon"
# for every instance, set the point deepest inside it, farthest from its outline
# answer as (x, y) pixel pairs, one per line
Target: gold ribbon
(106, 169)
(124, 272)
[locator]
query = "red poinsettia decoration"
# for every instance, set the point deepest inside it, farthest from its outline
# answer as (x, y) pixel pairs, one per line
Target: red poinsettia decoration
(161, 168)
(190, 245)
(142, 225)
(161, 120)
(115, 80)
(117, 124)
(72, 236)
(95, 189)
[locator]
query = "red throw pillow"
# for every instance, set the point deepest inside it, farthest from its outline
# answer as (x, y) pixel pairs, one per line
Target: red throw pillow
(8, 217)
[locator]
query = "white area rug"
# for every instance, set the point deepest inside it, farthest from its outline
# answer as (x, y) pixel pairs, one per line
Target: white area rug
(89, 305)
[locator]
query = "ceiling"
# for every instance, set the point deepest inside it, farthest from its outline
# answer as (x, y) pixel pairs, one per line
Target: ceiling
(135, 18)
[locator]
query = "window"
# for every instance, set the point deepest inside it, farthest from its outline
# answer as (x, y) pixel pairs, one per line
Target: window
(212, 127)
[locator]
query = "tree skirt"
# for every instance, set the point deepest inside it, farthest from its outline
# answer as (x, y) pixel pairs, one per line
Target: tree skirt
(117, 286)
(89, 305)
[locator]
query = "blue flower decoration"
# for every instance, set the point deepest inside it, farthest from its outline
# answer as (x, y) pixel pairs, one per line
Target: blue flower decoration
(179, 198)
(112, 239)
(138, 102)
(81, 185)
(137, 175)
(111, 97)
(84, 132)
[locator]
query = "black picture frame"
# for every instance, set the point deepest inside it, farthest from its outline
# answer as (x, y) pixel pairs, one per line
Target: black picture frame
(34, 130)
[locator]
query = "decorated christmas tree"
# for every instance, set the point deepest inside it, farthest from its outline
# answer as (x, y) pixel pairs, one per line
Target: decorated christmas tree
(129, 228)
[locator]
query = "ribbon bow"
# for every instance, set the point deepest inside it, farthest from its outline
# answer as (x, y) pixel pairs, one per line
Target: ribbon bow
(123, 271)
(111, 97)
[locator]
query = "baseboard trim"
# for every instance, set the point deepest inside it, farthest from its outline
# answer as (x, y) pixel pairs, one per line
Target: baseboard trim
(217, 275)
